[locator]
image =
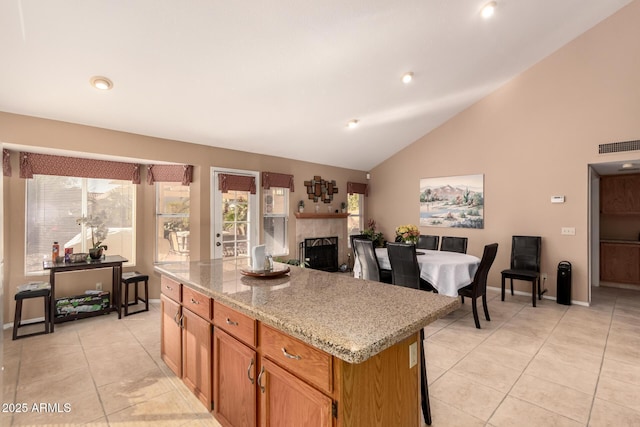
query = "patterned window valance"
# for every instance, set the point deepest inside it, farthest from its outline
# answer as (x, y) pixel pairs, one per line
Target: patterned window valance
(46, 164)
(272, 179)
(228, 182)
(170, 173)
(357, 188)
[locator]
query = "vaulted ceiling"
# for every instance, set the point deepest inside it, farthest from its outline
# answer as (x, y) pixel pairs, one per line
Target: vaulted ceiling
(281, 77)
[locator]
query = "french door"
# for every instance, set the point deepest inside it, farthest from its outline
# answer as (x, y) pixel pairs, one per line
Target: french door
(234, 216)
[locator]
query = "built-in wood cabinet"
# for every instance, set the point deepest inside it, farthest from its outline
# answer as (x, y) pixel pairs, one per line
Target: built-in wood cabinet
(252, 374)
(620, 262)
(284, 398)
(186, 337)
(196, 355)
(234, 381)
(171, 338)
(620, 194)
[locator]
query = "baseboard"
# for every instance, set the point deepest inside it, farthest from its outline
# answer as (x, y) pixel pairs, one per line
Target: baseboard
(549, 297)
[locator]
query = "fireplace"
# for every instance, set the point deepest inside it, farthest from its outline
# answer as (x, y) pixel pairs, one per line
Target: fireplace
(320, 252)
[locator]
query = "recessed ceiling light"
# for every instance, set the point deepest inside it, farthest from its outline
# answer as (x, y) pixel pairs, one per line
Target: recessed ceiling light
(488, 9)
(353, 124)
(407, 77)
(101, 83)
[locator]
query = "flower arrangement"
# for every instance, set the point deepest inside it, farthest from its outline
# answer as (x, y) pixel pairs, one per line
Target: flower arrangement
(372, 234)
(99, 229)
(408, 233)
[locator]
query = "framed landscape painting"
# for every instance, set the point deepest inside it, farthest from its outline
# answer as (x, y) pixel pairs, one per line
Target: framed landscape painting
(452, 201)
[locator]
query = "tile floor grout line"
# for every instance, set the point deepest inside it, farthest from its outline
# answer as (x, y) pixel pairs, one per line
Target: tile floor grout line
(93, 380)
(604, 351)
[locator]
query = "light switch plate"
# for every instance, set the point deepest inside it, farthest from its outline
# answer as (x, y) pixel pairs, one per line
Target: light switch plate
(413, 355)
(568, 231)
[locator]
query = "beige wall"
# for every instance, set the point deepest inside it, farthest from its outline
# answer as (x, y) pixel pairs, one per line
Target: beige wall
(532, 139)
(30, 131)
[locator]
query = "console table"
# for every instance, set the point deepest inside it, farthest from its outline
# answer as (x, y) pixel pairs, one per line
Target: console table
(113, 261)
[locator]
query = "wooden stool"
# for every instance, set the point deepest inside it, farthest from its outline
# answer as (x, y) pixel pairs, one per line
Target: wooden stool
(135, 278)
(42, 291)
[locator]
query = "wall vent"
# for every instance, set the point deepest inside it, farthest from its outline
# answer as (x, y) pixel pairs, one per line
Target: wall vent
(617, 147)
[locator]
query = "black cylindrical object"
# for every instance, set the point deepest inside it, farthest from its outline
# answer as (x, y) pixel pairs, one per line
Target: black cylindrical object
(564, 283)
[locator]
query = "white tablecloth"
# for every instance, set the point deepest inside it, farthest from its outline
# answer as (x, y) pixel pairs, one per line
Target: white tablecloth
(446, 271)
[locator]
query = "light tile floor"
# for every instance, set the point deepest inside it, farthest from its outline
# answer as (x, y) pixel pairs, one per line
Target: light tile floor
(549, 365)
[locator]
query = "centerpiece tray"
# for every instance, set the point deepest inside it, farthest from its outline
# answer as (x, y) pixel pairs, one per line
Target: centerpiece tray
(266, 274)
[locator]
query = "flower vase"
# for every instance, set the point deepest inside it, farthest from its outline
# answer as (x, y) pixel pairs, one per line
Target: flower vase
(95, 253)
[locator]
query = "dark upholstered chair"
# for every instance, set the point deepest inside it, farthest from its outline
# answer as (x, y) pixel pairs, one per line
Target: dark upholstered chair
(478, 288)
(454, 244)
(366, 256)
(405, 271)
(428, 242)
(525, 264)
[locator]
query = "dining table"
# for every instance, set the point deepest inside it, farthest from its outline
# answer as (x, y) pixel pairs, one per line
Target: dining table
(445, 271)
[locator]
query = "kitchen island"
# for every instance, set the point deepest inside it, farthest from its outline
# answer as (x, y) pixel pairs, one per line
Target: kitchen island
(307, 348)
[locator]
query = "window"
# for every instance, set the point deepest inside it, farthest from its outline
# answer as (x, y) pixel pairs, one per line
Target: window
(54, 205)
(355, 206)
(275, 220)
(172, 221)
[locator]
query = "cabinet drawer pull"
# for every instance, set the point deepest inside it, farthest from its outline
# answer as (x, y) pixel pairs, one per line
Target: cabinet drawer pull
(249, 370)
(289, 355)
(169, 287)
(262, 389)
(194, 301)
(231, 322)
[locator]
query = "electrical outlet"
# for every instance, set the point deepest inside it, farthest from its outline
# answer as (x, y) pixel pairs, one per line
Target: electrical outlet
(99, 286)
(413, 354)
(544, 276)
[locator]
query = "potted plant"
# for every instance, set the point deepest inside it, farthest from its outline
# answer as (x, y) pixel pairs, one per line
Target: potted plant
(343, 206)
(99, 232)
(301, 206)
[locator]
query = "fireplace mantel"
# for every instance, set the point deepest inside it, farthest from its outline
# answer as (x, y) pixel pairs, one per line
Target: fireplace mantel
(302, 215)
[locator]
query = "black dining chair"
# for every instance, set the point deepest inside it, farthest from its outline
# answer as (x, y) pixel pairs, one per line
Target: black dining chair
(428, 242)
(478, 288)
(525, 264)
(366, 256)
(405, 271)
(454, 244)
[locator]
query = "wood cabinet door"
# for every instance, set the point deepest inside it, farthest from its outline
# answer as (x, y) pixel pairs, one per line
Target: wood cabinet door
(620, 263)
(286, 401)
(234, 378)
(196, 355)
(620, 194)
(171, 335)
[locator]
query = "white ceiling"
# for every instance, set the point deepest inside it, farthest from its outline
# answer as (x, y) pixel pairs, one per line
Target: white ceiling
(278, 77)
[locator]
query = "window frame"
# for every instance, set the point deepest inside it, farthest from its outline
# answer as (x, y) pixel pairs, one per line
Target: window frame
(84, 200)
(285, 215)
(161, 215)
(359, 215)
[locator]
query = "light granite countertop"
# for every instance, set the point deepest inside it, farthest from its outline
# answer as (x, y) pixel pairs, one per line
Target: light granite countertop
(349, 318)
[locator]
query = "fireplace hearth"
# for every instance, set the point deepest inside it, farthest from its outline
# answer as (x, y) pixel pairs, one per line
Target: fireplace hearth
(320, 252)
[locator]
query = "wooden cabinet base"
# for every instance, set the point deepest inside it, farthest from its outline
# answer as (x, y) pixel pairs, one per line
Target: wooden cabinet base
(381, 391)
(196, 356)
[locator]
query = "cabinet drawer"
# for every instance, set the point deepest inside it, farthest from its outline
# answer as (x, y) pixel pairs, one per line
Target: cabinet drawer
(196, 302)
(235, 323)
(170, 288)
(303, 360)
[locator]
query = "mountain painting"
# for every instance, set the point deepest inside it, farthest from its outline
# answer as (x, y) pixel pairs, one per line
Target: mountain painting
(453, 201)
